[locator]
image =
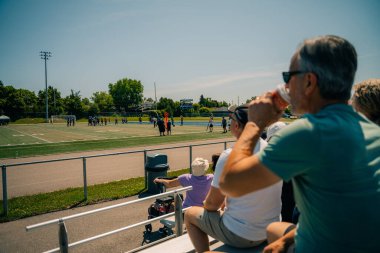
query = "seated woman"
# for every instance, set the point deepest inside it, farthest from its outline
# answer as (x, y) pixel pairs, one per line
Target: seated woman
(200, 181)
(239, 222)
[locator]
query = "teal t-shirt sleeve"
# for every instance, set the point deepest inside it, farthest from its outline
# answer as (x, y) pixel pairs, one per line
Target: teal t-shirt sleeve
(291, 150)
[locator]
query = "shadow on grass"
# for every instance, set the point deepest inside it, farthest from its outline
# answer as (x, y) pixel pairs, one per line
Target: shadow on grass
(79, 203)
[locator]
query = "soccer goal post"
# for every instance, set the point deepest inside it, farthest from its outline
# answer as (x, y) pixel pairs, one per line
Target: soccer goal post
(62, 118)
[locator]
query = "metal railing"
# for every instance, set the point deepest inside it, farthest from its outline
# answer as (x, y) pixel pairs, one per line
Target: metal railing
(84, 162)
(64, 244)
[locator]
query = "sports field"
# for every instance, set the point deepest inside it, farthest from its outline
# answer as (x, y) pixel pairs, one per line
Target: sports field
(55, 133)
(39, 139)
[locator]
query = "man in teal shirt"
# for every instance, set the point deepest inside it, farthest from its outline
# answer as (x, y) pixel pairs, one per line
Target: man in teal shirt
(332, 154)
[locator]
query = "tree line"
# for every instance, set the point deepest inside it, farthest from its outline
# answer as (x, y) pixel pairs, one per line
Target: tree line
(123, 97)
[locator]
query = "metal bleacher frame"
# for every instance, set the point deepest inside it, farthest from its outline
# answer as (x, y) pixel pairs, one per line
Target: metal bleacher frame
(64, 244)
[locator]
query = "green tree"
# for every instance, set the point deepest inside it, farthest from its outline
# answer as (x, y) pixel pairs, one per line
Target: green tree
(204, 110)
(224, 103)
(17, 103)
(103, 100)
(208, 102)
(166, 104)
(28, 102)
(93, 109)
(85, 106)
(73, 104)
(202, 101)
(126, 93)
(2, 98)
(196, 107)
(177, 109)
(55, 101)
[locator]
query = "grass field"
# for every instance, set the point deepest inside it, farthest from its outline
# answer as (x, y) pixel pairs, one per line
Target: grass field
(40, 139)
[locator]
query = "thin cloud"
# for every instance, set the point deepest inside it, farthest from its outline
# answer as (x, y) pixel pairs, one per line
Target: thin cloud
(218, 80)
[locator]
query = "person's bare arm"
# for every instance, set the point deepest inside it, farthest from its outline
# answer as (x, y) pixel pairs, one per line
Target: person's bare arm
(243, 172)
(214, 199)
(168, 183)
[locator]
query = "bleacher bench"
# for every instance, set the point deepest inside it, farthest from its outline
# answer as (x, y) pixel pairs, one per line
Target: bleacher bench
(182, 244)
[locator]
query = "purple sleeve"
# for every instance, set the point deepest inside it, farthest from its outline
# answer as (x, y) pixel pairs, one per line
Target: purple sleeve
(184, 180)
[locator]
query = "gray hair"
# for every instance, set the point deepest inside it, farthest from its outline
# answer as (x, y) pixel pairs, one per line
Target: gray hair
(334, 61)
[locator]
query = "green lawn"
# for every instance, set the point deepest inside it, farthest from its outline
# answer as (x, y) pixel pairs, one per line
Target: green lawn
(43, 139)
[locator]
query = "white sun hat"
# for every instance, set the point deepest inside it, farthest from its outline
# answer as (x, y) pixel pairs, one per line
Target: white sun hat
(199, 166)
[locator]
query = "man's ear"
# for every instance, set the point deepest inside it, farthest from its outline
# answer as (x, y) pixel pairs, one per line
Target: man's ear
(236, 125)
(311, 83)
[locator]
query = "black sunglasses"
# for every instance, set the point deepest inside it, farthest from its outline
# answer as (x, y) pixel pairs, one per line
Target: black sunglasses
(287, 75)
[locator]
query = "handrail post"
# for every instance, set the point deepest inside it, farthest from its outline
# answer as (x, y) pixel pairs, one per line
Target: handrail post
(62, 234)
(84, 178)
(225, 145)
(145, 172)
(178, 215)
(5, 194)
(191, 158)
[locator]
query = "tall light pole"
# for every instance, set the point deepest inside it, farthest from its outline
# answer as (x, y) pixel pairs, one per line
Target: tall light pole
(155, 95)
(45, 56)
(55, 108)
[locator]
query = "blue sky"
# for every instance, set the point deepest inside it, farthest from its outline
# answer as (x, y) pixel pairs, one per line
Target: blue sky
(222, 49)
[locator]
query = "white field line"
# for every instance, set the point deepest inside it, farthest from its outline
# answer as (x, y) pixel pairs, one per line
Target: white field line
(31, 135)
(99, 138)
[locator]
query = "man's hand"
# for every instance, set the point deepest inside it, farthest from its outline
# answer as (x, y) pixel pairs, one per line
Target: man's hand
(278, 246)
(262, 111)
(281, 244)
